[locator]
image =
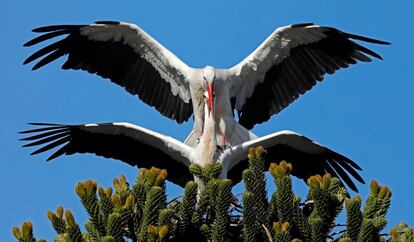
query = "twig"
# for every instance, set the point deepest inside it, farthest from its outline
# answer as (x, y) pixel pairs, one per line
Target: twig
(174, 199)
(307, 203)
(336, 233)
(236, 207)
(269, 236)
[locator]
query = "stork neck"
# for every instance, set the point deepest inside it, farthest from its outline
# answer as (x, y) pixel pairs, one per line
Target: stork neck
(208, 146)
(209, 120)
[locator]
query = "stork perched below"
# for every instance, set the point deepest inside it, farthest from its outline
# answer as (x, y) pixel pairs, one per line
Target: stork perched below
(141, 147)
(286, 65)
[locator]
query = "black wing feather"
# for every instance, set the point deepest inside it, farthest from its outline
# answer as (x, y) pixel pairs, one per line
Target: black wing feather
(47, 36)
(343, 175)
(51, 145)
(42, 135)
(48, 139)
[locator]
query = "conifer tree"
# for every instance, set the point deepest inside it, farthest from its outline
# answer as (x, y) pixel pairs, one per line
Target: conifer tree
(141, 212)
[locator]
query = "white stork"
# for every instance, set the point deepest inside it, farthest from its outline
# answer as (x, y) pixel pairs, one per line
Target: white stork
(141, 147)
(287, 64)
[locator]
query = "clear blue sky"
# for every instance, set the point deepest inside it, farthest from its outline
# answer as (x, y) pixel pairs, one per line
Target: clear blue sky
(364, 112)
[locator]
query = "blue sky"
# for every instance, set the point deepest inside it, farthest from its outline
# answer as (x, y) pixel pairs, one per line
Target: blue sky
(364, 112)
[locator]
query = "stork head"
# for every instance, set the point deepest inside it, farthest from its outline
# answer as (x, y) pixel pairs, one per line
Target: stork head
(208, 83)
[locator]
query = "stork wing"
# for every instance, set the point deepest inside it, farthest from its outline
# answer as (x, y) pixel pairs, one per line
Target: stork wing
(289, 63)
(126, 55)
(307, 157)
(123, 141)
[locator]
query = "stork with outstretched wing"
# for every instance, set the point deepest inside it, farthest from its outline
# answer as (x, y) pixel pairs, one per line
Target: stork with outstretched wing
(286, 65)
(141, 147)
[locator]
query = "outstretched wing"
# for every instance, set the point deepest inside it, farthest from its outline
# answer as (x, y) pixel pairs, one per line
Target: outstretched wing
(308, 158)
(126, 55)
(289, 63)
(122, 141)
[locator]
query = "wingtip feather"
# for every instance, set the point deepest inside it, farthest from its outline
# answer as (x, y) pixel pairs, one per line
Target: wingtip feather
(36, 152)
(367, 39)
(107, 22)
(51, 28)
(25, 62)
(59, 152)
(50, 158)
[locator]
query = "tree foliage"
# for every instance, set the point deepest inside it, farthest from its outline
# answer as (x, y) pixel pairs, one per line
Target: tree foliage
(212, 213)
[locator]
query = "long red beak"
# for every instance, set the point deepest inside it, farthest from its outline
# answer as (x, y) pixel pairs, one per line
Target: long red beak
(210, 103)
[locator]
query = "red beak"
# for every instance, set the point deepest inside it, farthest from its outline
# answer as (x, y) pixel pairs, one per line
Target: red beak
(210, 100)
